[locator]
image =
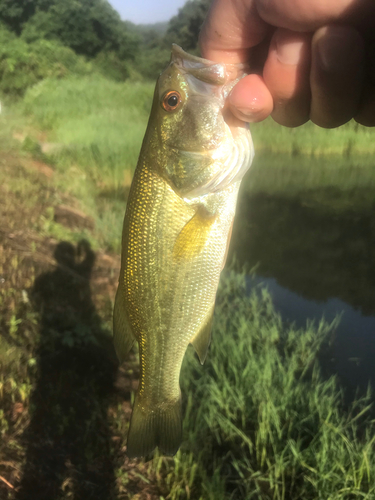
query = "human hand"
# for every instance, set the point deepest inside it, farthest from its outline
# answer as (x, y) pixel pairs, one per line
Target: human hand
(310, 59)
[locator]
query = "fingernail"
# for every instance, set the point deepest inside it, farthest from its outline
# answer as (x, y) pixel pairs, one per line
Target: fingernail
(339, 49)
(288, 50)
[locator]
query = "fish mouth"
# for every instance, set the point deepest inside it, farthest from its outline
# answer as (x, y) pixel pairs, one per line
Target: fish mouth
(178, 54)
(207, 71)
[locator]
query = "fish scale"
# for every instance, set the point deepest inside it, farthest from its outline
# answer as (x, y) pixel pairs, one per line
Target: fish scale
(176, 233)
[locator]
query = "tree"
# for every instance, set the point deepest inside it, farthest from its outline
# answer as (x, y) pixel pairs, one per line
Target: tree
(86, 26)
(16, 12)
(184, 28)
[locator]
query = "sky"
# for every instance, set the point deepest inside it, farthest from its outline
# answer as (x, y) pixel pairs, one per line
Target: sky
(147, 11)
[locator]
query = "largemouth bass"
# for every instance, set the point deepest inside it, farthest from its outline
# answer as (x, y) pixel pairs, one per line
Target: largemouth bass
(176, 233)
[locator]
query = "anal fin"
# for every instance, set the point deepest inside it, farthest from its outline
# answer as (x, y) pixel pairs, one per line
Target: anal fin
(201, 341)
(123, 336)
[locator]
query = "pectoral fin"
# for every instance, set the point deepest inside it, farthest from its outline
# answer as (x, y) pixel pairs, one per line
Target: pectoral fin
(193, 235)
(123, 336)
(202, 339)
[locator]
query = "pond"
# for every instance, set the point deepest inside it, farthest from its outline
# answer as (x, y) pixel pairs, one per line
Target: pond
(308, 227)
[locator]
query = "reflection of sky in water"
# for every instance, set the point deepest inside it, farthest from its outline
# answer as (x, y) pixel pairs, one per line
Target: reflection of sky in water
(354, 347)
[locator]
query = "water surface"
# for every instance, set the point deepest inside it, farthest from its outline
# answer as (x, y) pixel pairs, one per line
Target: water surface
(308, 225)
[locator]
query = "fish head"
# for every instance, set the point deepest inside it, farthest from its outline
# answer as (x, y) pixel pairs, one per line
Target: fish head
(197, 138)
(191, 100)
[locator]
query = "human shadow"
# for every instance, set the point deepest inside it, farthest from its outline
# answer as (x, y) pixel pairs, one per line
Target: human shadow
(68, 438)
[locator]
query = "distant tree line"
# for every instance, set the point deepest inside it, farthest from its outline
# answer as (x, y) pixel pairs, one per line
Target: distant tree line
(41, 38)
(86, 26)
(182, 29)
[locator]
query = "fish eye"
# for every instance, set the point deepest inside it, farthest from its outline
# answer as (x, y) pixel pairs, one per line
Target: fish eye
(171, 100)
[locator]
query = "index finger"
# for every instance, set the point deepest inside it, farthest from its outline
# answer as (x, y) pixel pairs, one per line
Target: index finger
(231, 28)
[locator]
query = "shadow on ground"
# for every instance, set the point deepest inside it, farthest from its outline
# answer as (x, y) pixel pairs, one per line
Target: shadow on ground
(68, 441)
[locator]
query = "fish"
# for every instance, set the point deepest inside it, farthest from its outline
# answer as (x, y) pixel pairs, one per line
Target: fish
(175, 238)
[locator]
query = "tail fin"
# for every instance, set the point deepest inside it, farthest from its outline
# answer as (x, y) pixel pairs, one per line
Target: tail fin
(151, 427)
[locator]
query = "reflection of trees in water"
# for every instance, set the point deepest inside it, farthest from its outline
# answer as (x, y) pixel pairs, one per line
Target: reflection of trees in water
(313, 251)
(68, 440)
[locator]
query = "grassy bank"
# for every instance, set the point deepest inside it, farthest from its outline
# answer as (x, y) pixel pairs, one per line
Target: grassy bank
(261, 421)
(90, 131)
(98, 123)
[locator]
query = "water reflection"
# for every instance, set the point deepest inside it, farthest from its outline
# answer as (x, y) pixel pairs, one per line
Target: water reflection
(308, 249)
(309, 226)
(353, 351)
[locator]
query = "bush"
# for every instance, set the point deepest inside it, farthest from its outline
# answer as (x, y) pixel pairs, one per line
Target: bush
(22, 64)
(111, 66)
(150, 63)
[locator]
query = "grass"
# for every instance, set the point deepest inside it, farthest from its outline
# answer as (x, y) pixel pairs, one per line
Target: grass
(91, 130)
(97, 126)
(261, 421)
(350, 139)
(350, 179)
(94, 129)
(99, 123)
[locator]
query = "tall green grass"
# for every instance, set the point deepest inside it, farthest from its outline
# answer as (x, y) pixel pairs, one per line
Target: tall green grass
(95, 129)
(99, 126)
(100, 123)
(309, 139)
(261, 421)
(309, 178)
